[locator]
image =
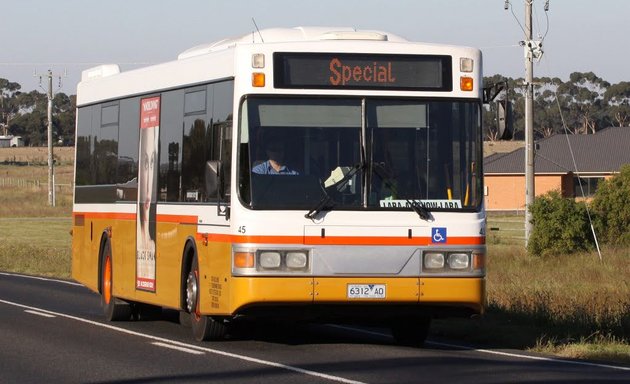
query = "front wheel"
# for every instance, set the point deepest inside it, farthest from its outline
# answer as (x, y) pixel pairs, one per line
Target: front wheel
(203, 327)
(113, 308)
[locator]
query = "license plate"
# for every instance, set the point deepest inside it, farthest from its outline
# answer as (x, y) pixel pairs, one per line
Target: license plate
(366, 291)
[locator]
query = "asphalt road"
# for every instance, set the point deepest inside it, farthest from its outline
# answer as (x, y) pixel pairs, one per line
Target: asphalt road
(53, 332)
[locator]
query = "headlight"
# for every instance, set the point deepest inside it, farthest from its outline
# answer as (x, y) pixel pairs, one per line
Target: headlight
(433, 260)
(270, 259)
(452, 262)
(248, 261)
(458, 261)
(296, 260)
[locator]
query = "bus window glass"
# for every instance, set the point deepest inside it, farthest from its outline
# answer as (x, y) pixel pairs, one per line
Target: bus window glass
(414, 151)
(171, 130)
(196, 146)
(127, 173)
(84, 144)
(294, 145)
(106, 146)
(423, 151)
(223, 94)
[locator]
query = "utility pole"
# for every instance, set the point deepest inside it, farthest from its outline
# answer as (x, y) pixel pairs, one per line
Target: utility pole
(529, 120)
(51, 169)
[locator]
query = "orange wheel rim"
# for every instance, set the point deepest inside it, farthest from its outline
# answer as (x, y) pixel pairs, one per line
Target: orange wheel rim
(107, 280)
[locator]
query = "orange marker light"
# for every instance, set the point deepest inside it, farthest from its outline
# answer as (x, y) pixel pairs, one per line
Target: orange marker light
(258, 79)
(466, 83)
(244, 260)
(478, 261)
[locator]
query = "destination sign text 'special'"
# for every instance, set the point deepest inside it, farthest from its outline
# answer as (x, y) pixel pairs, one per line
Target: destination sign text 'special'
(362, 71)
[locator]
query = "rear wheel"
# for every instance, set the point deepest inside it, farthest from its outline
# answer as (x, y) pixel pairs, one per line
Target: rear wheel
(203, 327)
(113, 308)
(411, 332)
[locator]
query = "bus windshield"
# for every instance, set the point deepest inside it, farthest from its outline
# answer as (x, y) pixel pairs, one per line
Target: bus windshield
(360, 153)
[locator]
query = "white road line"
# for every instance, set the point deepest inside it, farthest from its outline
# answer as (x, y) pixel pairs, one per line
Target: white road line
(320, 375)
(491, 352)
(42, 314)
(178, 348)
(41, 278)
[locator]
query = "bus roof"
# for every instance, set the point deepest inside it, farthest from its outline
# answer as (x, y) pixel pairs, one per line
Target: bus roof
(297, 34)
(107, 81)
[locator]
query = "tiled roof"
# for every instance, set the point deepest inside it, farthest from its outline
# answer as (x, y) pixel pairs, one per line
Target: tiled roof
(604, 152)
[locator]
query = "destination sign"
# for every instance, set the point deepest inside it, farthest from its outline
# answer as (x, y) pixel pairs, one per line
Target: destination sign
(362, 71)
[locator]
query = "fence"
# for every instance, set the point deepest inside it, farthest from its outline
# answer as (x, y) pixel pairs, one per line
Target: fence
(33, 184)
(506, 229)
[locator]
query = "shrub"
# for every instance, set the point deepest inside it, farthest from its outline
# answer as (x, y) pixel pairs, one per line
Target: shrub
(561, 226)
(611, 208)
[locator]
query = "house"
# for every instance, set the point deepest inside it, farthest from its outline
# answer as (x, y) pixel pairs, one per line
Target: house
(11, 141)
(597, 157)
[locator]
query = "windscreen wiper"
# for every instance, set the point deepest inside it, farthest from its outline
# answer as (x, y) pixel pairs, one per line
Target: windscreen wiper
(422, 211)
(323, 203)
(338, 180)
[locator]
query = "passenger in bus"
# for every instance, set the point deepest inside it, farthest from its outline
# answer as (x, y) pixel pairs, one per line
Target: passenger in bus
(275, 165)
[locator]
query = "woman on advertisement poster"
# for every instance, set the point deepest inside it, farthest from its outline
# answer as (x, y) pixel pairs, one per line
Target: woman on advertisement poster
(147, 194)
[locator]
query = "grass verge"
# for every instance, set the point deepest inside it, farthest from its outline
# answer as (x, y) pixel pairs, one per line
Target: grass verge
(569, 305)
(36, 246)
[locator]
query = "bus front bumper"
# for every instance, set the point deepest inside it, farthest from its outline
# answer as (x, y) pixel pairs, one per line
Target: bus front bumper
(439, 295)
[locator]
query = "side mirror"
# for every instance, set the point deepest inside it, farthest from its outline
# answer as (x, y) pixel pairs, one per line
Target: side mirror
(504, 120)
(214, 179)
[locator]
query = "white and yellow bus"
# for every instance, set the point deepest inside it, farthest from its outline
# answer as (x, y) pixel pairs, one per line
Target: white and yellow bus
(323, 174)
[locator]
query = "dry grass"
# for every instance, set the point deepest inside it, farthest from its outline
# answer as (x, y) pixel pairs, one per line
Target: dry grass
(24, 191)
(560, 304)
(576, 290)
(36, 155)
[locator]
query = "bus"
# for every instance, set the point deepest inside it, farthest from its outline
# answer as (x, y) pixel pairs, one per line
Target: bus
(308, 174)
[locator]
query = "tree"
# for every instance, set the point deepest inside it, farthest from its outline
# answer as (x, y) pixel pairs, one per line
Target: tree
(547, 118)
(611, 209)
(583, 96)
(8, 107)
(617, 97)
(561, 226)
(64, 113)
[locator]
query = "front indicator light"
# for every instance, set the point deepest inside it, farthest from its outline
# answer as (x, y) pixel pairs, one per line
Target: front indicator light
(433, 260)
(478, 261)
(258, 79)
(244, 260)
(466, 83)
(458, 261)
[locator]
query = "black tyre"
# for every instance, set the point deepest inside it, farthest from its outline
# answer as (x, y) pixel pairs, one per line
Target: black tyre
(203, 327)
(113, 308)
(411, 332)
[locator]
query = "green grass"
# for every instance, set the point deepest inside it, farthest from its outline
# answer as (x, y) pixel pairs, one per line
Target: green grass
(36, 246)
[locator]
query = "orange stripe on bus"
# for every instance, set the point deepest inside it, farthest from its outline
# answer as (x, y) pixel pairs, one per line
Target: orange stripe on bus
(182, 219)
(106, 215)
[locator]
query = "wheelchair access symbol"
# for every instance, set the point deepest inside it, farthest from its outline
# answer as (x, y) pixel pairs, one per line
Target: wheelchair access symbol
(438, 235)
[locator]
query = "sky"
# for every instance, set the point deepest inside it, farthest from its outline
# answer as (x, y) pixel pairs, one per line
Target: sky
(69, 36)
